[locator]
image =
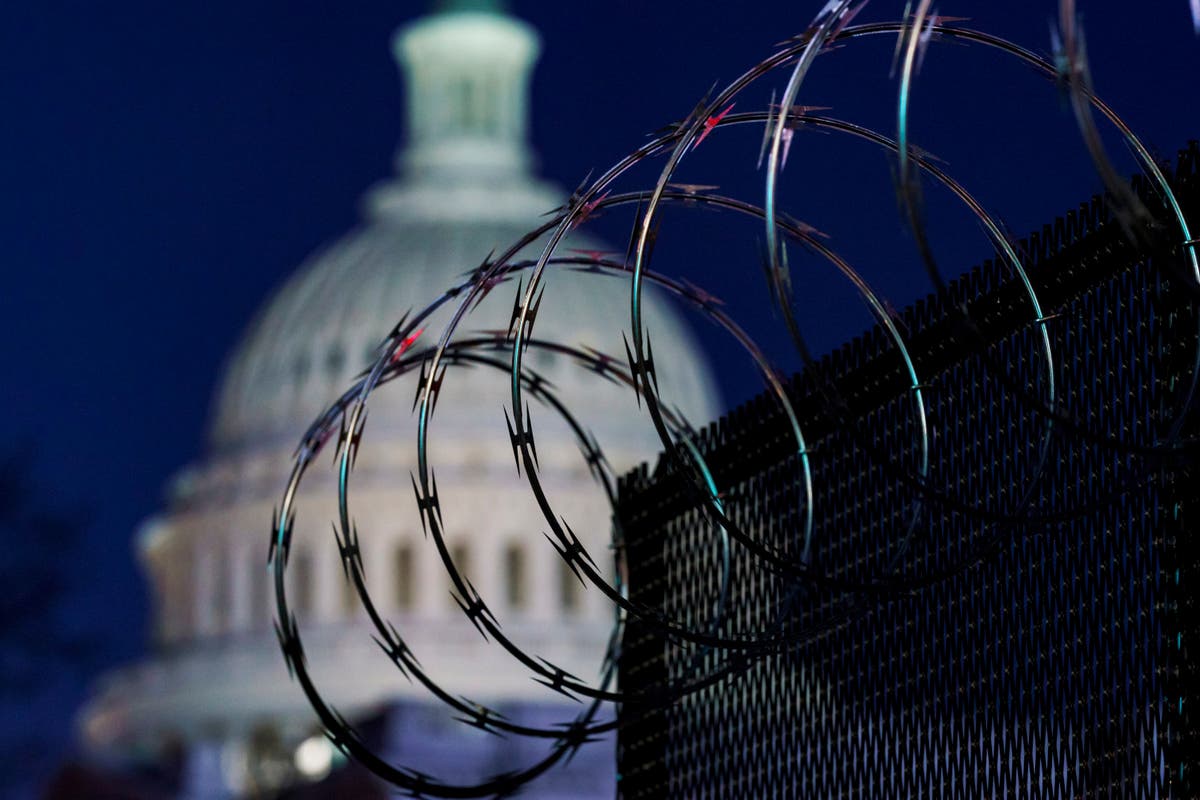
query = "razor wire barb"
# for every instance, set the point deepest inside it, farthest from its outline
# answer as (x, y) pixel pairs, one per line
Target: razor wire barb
(344, 423)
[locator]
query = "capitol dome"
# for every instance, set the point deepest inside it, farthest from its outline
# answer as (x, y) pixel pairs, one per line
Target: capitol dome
(463, 189)
(325, 325)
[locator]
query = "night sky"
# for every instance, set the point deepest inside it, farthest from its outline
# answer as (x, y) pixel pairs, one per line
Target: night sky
(166, 165)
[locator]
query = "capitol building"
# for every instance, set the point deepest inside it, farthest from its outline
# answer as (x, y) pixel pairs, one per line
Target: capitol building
(215, 687)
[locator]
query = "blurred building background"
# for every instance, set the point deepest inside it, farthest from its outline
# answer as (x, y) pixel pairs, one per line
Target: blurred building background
(213, 712)
(169, 164)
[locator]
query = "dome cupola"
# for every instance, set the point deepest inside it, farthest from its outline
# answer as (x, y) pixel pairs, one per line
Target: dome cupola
(466, 70)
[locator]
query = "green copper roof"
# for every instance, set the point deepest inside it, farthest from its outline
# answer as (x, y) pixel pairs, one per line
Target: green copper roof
(493, 6)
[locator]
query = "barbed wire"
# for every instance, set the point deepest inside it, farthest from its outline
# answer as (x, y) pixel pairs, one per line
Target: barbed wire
(684, 461)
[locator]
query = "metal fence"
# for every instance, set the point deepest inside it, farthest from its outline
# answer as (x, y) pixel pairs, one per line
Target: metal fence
(1020, 624)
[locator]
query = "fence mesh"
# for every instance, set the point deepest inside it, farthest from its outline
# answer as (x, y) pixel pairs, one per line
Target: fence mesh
(1049, 650)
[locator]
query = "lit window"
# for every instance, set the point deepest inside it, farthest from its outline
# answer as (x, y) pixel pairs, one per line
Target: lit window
(570, 590)
(300, 565)
(490, 103)
(300, 370)
(406, 594)
(262, 593)
(472, 116)
(186, 605)
(514, 576)
(461, 556)
(220, 590)
(349, 595)
(462, 104)
(335, 359)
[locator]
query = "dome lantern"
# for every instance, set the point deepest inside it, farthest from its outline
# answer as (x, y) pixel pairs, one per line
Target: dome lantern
(466, 69)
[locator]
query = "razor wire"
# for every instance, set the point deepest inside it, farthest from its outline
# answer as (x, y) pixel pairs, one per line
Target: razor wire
(505, 351)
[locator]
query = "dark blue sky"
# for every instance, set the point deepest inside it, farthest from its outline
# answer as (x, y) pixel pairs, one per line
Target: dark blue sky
(166, 164)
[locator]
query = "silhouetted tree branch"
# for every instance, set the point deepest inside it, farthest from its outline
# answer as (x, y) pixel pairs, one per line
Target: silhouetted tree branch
(38, 644)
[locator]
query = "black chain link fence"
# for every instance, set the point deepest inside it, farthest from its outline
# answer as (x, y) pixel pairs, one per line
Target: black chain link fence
(1028, 622)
